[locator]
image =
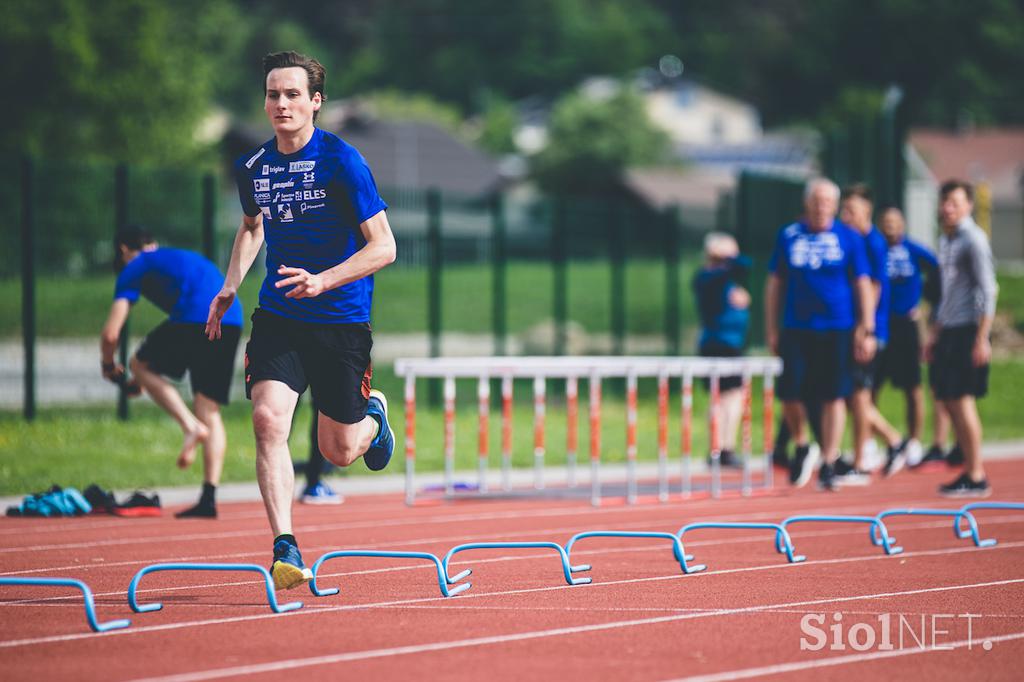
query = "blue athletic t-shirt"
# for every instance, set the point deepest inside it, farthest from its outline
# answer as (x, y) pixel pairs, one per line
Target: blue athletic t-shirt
(820, 269)
(179, 282)
(720, 321)
(313, 202)
(878, 249)
(905, 263)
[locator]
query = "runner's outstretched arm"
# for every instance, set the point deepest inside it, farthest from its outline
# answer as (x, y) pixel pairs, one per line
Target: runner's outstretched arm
(248, 241)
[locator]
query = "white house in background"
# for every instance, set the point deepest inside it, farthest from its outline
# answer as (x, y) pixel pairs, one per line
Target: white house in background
(695, 116)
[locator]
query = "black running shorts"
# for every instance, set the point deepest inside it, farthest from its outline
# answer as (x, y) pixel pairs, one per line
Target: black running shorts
(952, 373)
(333, 360)
(900, 362)
(816, 365)
(174, 347)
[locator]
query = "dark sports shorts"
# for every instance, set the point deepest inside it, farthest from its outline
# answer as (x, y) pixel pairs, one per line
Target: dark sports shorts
(865, 374)
(817, 365)
(720, 350)
(174, 347)
(900, 362)
(333, 360)
(952, 373)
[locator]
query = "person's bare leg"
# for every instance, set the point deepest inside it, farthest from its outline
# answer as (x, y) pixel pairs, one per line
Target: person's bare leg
(967, 426)
(342, 444)
(860, 406)
(273, 403)
(796, 419)
(833, 423)
(940, 422)
(208, 411)
(732, 413)
(168, 398)
(915, 412)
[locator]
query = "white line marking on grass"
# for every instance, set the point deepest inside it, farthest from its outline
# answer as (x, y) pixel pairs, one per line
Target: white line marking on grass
(828, 661)
(538, 634)
(477, 595)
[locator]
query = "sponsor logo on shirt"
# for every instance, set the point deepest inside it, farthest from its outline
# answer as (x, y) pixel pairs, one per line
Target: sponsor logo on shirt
(301, 166)
(899, 264)
(252, 159)
(308, 178)
(303, 207)
(284, 213)
(266, 212)
(311, 194)
(261, 184)
(267, 169)
(261, 197)
(282, 185)
(812, 252)
(282, 196)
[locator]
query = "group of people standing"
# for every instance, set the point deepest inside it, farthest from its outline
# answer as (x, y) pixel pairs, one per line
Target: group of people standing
(843, 311)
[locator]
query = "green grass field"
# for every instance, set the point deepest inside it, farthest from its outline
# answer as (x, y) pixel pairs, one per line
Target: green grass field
(82, 446)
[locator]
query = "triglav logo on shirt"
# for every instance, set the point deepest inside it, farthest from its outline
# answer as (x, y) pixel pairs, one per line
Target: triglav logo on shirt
(284, 213)
(814, 251)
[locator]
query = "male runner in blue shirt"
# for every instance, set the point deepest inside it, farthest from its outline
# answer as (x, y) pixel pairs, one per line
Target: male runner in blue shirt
(311, 197)
(180, 283)
(818, 279)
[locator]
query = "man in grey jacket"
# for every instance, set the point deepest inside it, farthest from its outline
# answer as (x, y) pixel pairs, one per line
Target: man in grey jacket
(958, 349)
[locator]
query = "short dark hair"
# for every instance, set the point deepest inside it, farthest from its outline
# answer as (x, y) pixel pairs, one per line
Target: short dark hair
(857, 189)
(135, 237)
(885, 208)
(950, 186)
(316, 74)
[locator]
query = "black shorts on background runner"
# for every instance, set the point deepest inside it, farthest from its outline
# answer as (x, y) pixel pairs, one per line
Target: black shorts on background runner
(952, 373)
(333, 360)
(720, 350)
(816, 365)
(900, 362)
(174, 347)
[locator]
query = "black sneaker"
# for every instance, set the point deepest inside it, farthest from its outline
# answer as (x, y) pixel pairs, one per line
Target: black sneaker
(897, 458)
(201, 510)
(965, 487)
(827, 477)
(102, 501)
(803, 463)
(728, 459)
(955, 458)
(933, 458)
(847, 474)
(139, 504)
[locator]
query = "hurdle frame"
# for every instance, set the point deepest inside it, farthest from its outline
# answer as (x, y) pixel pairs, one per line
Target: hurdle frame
(595, 369)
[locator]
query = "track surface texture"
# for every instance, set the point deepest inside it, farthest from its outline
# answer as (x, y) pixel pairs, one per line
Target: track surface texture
(641, 619)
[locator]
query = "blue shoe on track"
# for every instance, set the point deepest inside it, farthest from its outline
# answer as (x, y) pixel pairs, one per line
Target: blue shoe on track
(379, 454)
(320, 493)
(288, 570)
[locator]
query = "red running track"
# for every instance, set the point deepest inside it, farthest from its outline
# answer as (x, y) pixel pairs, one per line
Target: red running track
(641, 619)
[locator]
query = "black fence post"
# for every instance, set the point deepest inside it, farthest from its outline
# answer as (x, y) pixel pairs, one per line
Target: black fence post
(120, 222)
(435, 265)
(28, 288)
(209, 210)
(670, 223)
(617, 256)
(559, 259)
(499, 309)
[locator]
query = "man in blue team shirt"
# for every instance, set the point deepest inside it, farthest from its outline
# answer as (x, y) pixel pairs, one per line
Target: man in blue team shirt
(311, 197)
(907, 262)
(724, 306)
(819, 280)
(856, 211)
(179, 283)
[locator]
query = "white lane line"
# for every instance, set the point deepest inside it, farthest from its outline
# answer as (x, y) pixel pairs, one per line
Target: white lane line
(829, 661)
(330, 659)
(477, 595)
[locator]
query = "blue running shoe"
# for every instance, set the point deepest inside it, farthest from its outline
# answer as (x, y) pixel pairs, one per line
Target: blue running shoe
(379, 454)
(288, 570)
(320, 493)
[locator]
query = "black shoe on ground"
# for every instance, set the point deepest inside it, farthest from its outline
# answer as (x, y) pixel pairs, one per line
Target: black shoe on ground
(847, 474)
(965, 487)
(728, 459)
(955, 458)
(933, 458)
(802, 465)
(896, 459)
(102, 501)
(199, 511)
(139, 504)
(827, 477)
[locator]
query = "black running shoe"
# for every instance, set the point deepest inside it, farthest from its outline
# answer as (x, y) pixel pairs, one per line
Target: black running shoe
(955, 458)
(933, 458)
(102, 501)
(827, 477)
(199, 511)
(897, 458)
(139, 504)
(965, 487)
(728, 459)
(803, 463)
(847, 474)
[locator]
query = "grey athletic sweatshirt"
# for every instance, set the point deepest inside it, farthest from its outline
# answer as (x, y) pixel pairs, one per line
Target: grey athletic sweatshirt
(968, 276)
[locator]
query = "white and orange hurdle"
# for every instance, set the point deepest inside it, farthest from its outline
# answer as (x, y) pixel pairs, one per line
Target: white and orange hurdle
(595, 369)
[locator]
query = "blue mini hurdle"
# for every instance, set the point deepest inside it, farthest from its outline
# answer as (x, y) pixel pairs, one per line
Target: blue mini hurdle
(677, 545)
(154, 568)
(90, 605)
(879, 535)
(965, 512)
(779, 530)
(567, 568)
(442, 569)
(955, 513)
